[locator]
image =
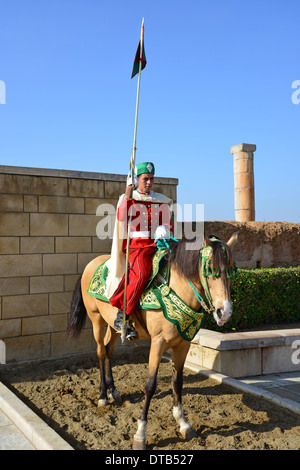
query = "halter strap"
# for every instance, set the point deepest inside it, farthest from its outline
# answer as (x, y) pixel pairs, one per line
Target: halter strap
(200, 300)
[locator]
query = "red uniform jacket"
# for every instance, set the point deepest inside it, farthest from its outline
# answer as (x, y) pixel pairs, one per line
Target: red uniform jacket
(146, 216)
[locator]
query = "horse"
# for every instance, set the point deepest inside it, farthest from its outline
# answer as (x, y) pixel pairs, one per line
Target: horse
(187, 280)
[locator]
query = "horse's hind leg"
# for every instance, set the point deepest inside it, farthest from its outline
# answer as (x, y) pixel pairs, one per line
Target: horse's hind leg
(99, 333)
(178, 359)
(109, 342)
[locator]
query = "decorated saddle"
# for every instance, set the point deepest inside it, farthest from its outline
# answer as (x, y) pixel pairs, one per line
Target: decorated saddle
(156, 295)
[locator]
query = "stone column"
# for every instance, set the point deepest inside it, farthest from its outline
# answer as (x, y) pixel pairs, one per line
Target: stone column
(243, 182)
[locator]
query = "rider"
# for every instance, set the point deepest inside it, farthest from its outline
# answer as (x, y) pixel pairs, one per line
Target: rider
(150, 220)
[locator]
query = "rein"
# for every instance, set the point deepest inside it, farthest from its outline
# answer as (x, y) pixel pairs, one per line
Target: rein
(201, 301)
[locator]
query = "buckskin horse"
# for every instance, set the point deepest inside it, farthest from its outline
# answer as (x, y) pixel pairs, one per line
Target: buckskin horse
(193, 274)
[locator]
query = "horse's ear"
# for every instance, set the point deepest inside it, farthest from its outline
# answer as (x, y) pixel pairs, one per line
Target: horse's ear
(233, 239)
(206, 241)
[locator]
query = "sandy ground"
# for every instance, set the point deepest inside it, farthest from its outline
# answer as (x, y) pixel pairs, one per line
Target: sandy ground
(64, 392)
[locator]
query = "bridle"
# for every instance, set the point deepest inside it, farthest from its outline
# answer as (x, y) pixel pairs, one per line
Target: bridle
(206, 269)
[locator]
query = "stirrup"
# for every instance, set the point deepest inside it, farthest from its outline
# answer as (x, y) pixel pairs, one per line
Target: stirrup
(131, 333)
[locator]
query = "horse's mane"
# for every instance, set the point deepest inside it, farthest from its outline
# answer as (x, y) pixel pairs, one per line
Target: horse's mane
(186, 261)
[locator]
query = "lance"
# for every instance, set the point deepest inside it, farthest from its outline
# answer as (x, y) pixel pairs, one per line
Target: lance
(139, 58)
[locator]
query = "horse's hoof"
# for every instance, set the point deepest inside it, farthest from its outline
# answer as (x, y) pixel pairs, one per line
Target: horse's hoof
(102, 402)
(116, 397)
(139, 444)
(188, 433)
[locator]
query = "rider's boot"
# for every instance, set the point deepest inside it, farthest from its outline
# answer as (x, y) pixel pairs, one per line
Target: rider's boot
(118, 323)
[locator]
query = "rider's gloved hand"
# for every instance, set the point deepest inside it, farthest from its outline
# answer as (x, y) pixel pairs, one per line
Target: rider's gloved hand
(161, 232)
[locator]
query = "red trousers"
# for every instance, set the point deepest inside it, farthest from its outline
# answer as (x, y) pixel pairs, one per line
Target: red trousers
(139, 267)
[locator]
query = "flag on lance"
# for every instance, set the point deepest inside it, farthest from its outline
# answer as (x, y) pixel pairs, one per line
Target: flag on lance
(139, 58)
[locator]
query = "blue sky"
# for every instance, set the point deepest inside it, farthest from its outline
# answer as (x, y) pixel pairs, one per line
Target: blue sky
(219, 73)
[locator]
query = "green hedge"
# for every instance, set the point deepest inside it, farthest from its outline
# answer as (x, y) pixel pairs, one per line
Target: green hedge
(261, 297)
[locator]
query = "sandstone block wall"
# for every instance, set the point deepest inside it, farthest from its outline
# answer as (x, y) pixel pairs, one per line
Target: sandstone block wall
(47, 236)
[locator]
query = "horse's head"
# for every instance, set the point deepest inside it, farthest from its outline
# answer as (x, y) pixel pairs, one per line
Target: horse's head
(217, 268)
(212, 266)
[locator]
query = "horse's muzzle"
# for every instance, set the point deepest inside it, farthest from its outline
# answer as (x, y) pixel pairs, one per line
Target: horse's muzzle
(222, 315)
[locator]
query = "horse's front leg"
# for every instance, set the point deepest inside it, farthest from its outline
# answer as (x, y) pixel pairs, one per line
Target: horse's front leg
(178, 359)
(156, 352)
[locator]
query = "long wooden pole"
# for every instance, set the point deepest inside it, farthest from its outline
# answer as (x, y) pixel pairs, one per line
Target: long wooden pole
(131, 168)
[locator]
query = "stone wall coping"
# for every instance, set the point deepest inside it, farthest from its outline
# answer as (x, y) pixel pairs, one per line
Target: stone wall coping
(18, 170)
(246, 340)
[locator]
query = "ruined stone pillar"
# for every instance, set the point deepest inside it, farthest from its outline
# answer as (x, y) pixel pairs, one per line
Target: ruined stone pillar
(243, 182)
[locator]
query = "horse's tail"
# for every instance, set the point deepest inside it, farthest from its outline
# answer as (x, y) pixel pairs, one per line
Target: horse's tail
(78, 312)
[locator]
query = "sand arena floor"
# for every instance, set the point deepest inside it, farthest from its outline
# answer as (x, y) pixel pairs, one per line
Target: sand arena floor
(64, 392)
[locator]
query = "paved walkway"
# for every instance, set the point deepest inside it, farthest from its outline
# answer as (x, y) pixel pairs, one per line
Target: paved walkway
(11, 438)
(285, 385)
(21, 429)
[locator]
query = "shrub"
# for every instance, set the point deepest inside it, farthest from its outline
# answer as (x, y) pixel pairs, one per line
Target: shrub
(261, 297)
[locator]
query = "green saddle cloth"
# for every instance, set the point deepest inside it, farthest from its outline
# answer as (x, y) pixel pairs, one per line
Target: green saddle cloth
(159, 266)
(156, 295)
